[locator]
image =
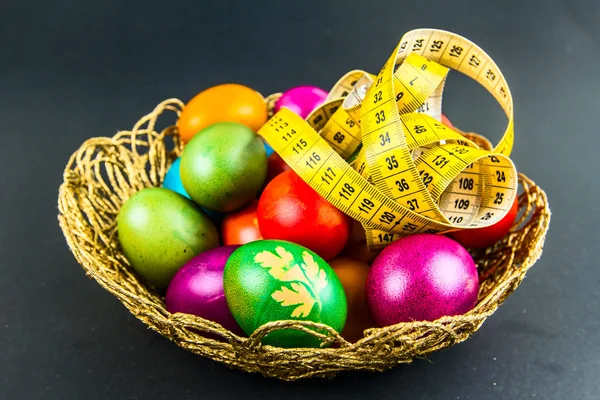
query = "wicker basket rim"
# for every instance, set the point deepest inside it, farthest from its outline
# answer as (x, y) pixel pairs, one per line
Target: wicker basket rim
(104, 171)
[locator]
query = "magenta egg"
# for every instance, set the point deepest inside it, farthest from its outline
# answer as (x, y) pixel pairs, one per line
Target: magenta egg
(301, 100)
(421, 277)
(197, 288)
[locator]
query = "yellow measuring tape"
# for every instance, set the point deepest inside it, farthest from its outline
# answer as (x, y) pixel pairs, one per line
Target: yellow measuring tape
(377, 151)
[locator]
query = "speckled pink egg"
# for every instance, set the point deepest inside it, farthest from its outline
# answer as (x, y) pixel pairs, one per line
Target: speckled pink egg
(197, 288)
(421, 278)
(301, 99)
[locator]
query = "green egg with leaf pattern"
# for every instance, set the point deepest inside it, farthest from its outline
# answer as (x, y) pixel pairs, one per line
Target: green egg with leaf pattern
(274, 280)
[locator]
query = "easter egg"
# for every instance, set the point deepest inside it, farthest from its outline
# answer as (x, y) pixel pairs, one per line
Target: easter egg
(272, 280)
(276, 165)
(479, 238)
(222, 103)
(172, 179)
(224, 167)
(421, 277)
(268, 149)
(302, 100)
(289, 209)
(241, 227)
(353, 275)
(160, 231)
(356, 248)
(197, 288)
(172, 182)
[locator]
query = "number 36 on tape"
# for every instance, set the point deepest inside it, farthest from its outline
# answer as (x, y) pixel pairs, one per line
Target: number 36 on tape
(377, 151)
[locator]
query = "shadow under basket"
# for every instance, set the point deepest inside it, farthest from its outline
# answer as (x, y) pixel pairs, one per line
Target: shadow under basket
(105, 172)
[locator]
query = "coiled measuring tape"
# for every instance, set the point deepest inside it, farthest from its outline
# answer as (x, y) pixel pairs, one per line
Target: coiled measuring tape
(376, 148)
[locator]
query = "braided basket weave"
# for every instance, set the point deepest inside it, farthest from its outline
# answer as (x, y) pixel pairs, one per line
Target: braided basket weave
(105, 172)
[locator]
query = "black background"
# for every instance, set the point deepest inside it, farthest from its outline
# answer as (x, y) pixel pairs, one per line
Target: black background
(73, 70)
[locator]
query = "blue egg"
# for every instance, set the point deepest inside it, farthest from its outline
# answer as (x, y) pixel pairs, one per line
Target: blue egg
(268, 148)
(173, 182)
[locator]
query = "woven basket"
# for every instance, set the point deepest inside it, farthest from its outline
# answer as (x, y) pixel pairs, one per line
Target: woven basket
(105, 172)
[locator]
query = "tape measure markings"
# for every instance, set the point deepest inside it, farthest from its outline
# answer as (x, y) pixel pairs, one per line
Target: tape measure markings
(374, 197)
(466, 186)
(398, 153)
(399, 69)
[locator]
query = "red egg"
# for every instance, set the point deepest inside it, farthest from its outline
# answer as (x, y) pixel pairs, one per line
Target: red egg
(241, 227)
(421, 277)
(289, 209)
(276, 165)
(479, 238)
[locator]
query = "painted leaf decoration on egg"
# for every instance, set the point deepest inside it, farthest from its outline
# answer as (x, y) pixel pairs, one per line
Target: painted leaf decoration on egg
(276, 263)
(297, 296)
(306, 279)
(316, 274)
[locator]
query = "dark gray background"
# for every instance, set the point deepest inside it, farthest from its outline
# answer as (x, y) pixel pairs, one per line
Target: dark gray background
(70, 70)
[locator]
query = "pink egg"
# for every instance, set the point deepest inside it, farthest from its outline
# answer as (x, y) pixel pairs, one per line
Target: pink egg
(197, 288)
(421, 278)
(301, 100)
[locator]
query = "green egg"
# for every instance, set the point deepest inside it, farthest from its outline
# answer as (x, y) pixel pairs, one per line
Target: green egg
(160, 230)
(224, 166)
(274, 280)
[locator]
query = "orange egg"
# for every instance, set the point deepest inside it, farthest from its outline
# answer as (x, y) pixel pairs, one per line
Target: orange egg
(241, 227)
(353, 275)
(229, 102)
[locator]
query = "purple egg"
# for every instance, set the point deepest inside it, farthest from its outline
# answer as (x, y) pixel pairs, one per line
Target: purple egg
(197, 288)
(421, 278)
(302, 100)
